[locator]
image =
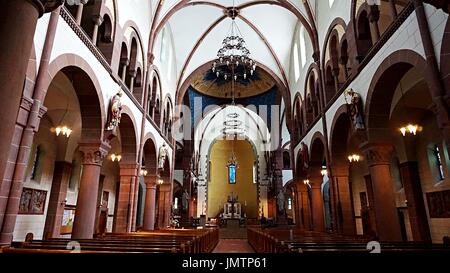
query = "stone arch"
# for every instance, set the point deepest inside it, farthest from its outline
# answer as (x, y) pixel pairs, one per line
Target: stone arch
(150, 154)
(384, 83)
(182, 89)
(317, 148)
(128, 136)
(88, 90)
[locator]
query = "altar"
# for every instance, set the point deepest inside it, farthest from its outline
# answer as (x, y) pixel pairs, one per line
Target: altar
(232, 210)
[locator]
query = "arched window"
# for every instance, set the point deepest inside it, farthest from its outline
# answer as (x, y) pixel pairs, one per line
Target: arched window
(302, 46)
(289, 203)
(438, 162)
(36, 162)
(296, 63)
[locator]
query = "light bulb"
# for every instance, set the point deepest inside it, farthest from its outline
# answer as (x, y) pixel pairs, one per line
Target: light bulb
(403, 130)
(58, 131)
(245, 76)
(217, 74)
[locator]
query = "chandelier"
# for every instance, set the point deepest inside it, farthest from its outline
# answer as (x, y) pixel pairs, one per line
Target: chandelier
(233, 58)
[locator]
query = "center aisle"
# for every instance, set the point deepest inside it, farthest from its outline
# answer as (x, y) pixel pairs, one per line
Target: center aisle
(233, 246)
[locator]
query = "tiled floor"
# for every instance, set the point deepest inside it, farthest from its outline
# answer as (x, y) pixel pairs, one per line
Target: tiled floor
(233, 246)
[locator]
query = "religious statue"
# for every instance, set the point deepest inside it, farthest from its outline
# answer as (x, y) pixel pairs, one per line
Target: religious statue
(280, 201)
(304, 155)
(116, 111)
(355, 108)
(162, 156)
(185, 200)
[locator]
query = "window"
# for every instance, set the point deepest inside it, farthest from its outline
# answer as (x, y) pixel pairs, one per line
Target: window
(296, 63)
(330, 3)
(255, 174)
(232, 174)
(36, 162)
(289, 203)
(438, 160)
(175, 205)
(302, 46)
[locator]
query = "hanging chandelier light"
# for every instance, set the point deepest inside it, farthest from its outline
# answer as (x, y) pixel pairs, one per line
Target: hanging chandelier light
(233, 58)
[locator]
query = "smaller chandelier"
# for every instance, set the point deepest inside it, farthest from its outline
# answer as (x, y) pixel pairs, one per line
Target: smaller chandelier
(62, 130)
(354, 158)
(410, 129)
(115, 157)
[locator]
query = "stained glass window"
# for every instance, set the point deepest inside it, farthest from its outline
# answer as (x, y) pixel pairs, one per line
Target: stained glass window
(232, 174)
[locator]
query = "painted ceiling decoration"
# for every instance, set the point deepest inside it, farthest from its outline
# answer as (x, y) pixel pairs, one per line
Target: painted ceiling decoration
(209, 84)
(198, 28)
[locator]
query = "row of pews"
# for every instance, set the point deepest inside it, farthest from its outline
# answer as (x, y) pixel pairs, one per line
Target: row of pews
(291, 240)
(161, 241)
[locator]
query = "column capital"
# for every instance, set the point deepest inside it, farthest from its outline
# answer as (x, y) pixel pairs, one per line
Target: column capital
(151, 181)
(341, 169)
(94, 153)
(97, 20)
(45, 6)
(129, 168)
(377, 153)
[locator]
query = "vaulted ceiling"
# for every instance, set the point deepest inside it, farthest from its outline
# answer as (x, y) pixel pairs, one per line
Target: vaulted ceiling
(198, 28)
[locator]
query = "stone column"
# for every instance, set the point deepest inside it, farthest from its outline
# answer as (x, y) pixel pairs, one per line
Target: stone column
(80, 11)
(371, 202)
(17, 24)
(135, 204)
(416, 206)
(98, 20)
(374, 16)
(164, 203)
(132, 74)
(393, 9)
(93, 156)
(125, 205)
(387, 220)
(150, 202)
(304, 207)
(57, 201)
(317, 203)
(99, 204)
(124, 63)
(346, 220)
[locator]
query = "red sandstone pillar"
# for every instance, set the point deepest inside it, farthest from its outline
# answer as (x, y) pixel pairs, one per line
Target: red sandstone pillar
(17, 26)
(164, 203)
(125, 205)
(56, 203)
(346, 220)
(305, 208)
(93, 155)
(135, 204)
(387, 220)
(317, 203)
(150, 203)
(416, 206)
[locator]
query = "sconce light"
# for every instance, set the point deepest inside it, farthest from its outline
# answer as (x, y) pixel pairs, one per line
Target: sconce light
(306, 181)
(410, 129)
(354, 158)
(115, 157)
(143, 172)
(160, 181)
(64, 130)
